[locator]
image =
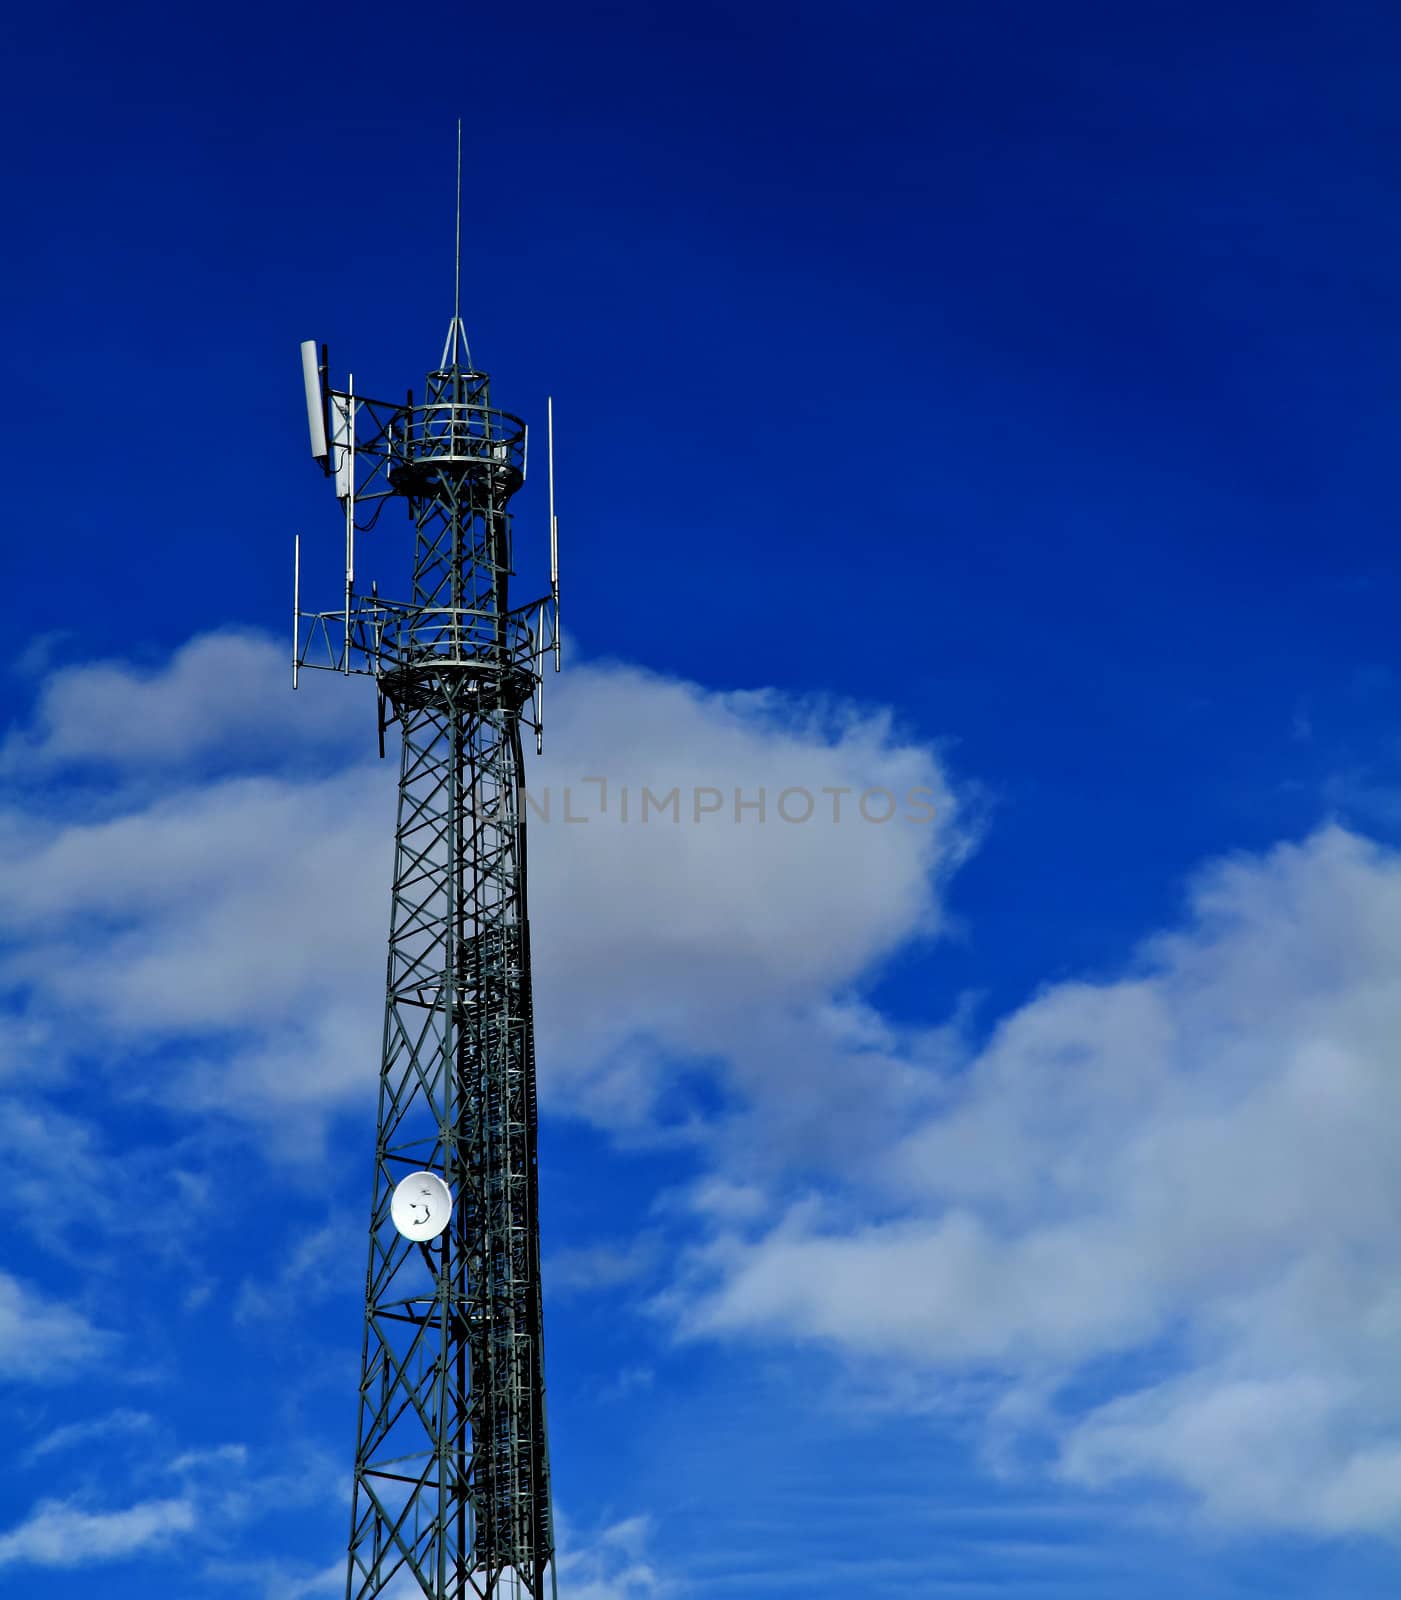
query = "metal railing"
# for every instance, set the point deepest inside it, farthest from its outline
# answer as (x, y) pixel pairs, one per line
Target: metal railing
(458, 431)
(386, 634)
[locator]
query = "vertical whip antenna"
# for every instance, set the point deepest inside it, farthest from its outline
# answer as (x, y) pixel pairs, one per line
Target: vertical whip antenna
(554, 521)
(457, 238)
(456, 346)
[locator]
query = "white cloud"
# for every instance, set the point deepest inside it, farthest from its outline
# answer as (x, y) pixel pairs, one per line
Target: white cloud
(234, 1485)
(221, 695)
(218, 1490)
(281, 1585)
(245, 915)
(47, 1153)
(1197, 1158)
(112, 1425)
(615, 1564)
(59, 1533)
(315, 1263)
(589, 1268)
(1279, 1449)
(216, 1458)
(278, 1580)
(42, 1337)
(329, 1581)
(24, 1046)
(218, 906)
(720, 940)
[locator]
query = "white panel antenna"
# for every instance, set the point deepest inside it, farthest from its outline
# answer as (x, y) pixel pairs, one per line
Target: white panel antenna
(315, 399)
(296, 606)
(540, 684)
(341, 450)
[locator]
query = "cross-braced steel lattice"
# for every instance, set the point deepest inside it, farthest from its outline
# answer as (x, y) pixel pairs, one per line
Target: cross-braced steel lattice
(452, 1492)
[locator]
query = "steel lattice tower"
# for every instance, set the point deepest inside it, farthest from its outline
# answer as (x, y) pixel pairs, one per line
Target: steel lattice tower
(451, 1484)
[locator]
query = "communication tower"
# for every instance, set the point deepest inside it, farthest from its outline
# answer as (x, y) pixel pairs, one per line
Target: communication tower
(451, 1481)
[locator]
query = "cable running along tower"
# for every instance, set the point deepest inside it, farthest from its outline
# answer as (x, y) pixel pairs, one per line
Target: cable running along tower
(452, 1488)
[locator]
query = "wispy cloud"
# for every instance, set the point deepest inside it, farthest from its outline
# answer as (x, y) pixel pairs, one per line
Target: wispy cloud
(587, 1268)
(235, 1485)
(42, 1336)
(59, 1533)
(615, 1563)
(328, 1580)
(113, 1425)
(278, 1580)
(314, 1265)
(219, 1457)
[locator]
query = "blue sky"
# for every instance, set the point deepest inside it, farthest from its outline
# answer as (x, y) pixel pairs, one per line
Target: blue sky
(1001, 403)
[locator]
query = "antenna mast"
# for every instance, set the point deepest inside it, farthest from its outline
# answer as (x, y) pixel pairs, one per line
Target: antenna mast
(452, 1486)
(456, 347)
(457, 240)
